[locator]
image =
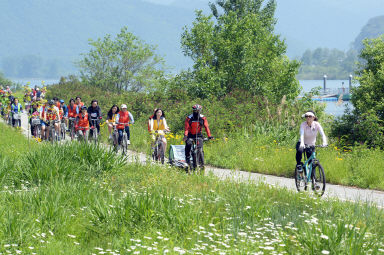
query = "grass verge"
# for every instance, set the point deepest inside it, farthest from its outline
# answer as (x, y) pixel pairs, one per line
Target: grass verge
(79, 199)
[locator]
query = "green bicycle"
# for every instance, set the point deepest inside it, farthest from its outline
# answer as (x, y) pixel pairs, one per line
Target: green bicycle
(311, 172)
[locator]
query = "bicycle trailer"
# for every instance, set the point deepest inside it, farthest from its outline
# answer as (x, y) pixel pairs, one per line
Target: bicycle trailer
(177, 156)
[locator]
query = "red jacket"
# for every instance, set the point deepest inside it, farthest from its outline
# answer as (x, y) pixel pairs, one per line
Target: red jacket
(193, 125)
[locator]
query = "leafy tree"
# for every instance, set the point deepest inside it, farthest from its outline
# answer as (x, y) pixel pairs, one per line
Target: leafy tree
(238, 50)
(369, 95)
(125, 63)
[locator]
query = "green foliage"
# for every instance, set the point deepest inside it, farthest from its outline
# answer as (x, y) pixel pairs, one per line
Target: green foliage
(239, 51)
(336, 64)
(369, 95)
(365, 124)
(122, 64)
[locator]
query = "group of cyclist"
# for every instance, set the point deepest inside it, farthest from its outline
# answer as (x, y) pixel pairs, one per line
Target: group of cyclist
(86, 120)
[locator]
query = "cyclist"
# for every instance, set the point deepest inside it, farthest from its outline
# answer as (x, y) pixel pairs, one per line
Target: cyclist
(124, 116)
(33, 113)
(82, 123)
(16, 108)
(94, 113)
(158, 123)
(72, 110)
(112, 119)
(51, 113)
(308, 133)
(192, 130)
(64, 108)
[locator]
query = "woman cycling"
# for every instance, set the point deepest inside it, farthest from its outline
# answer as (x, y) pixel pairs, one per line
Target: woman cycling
(158, 123)
(308, 133)
(112, 118)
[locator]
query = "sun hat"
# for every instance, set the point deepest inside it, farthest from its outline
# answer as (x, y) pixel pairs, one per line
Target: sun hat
(123, 106)
(309, 113)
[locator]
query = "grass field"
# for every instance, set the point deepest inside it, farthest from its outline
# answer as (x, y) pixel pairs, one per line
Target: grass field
(79, 199)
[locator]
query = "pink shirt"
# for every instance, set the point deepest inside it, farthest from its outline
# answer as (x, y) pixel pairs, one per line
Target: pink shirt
(308, 133)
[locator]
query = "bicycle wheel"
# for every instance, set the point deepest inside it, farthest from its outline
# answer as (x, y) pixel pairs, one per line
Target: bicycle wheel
(300, 180)
(160, 152)
(115, 137)
(95, 135)
(124, 143)
(72, 133)
(318, 179)
(200, 158)
(62, 130)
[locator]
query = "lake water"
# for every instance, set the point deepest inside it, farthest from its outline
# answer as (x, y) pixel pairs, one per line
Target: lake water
(331, 107)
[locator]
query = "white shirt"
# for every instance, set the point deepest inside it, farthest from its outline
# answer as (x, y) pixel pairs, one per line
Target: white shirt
(308, 133)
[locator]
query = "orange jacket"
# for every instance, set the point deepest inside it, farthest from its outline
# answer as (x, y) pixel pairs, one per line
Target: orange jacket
(83, 120)
(124, 118)
(72, 112)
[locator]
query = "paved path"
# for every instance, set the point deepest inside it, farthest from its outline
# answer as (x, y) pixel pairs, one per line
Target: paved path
(343, 193)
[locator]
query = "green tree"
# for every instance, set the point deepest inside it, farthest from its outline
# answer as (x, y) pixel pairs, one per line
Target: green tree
(125, 63)
(369, 96)
(238, 50)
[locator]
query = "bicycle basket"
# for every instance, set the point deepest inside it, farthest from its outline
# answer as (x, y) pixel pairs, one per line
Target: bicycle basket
(35, 122)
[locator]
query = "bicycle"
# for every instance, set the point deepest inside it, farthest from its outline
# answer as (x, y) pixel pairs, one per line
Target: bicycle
(62, 129)
(16, 119)
(311, 172)
(157, 148)
(36, 126)
(52, 136)
(71, 124)
(124, 140)
(94, 130)
(197, 153)
(82, 134)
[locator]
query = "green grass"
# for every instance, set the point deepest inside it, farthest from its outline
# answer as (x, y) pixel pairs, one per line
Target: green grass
(261, 153)
(79, 199)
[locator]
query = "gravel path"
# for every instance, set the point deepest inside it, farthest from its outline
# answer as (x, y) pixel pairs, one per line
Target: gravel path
(343, 193)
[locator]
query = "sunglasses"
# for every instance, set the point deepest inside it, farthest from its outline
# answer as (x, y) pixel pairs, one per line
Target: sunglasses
(308, 116)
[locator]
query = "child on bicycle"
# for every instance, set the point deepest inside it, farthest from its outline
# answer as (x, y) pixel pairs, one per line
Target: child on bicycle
(123, 119)
(308, 132)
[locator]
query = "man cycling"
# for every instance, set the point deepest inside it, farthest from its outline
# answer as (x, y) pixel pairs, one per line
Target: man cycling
(94, 113)
(51, 114)
(123, 119)
(192, 131)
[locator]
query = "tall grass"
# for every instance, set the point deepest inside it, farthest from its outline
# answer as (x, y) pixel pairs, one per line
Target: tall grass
(82, 199)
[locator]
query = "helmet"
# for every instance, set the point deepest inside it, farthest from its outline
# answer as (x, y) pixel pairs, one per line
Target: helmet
(83, 107)
(51, 102)
(61, 101)
(197, 108)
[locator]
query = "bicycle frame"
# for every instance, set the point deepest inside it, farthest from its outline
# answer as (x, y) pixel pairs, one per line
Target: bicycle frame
(308, 165)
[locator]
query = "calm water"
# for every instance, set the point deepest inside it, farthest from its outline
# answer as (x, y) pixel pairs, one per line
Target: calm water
(331, 107)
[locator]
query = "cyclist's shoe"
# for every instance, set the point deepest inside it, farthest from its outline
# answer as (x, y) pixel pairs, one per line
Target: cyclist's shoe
(110, 137)
(299, 168)
(316, 185)
(128, 142)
